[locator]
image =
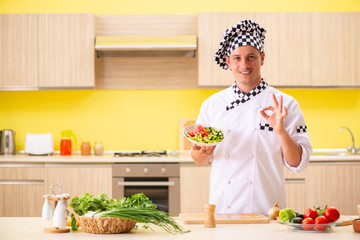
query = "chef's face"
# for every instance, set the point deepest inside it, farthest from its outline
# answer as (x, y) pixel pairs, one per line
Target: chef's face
(245, 63)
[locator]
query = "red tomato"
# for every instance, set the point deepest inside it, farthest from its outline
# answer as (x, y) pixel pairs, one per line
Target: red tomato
(321, 220)
(191, 133)
(332, 214)
(204, 134)
(310, 213)
(307, 221)
(200, 128)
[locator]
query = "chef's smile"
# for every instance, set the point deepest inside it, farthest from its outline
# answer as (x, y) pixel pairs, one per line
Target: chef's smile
(245, 73)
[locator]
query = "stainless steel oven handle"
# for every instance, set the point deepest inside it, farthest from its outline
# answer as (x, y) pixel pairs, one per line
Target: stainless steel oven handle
(148, 183)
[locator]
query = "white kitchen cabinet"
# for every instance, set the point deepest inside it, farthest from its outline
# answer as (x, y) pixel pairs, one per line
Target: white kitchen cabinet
(47, 50)
(77, 179)
(194, 187)
(301, 49)
(21, 189)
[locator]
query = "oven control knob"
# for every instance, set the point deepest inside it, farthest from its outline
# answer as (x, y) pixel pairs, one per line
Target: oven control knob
(146, 170)
(163, 170)
(127, 170)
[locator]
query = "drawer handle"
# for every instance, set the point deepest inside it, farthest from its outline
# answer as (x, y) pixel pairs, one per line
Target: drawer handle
(146, 183)
(295, 180)
(20, 182)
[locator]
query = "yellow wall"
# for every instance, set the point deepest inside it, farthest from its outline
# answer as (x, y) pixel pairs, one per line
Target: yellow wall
(148, 119)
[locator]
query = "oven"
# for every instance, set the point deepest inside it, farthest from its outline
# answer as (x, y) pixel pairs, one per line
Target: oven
(158, 181)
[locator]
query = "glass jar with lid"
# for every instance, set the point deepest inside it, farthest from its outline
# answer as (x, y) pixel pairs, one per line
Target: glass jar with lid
(85, 148)
(98, 148)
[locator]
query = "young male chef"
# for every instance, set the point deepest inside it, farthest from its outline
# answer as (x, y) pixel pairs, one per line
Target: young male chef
(264, 130)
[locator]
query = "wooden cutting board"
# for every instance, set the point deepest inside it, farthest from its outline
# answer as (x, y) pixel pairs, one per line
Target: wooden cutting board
(225, 218)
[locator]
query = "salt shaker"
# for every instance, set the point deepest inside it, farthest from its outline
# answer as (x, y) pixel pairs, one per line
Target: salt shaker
(47, 211)
(60, 214)
(209, 216)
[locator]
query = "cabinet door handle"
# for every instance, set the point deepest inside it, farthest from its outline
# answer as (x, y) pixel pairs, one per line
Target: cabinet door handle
(21, 182)
(294, 180)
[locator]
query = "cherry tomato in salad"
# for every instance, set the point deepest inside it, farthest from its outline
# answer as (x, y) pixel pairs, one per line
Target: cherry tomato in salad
(310, 213)
(321, 220)
(307, 221)
(332, 214)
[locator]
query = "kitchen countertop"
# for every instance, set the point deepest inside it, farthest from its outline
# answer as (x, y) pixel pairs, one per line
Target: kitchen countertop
(32, 228)
(109, 158)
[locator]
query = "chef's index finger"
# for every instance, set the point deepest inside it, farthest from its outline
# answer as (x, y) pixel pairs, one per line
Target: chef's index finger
(276, 104)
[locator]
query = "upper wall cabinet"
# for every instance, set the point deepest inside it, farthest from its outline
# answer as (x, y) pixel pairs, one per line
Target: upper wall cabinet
(47, 50)
(135, 52)
(301, 49)
(18, 55)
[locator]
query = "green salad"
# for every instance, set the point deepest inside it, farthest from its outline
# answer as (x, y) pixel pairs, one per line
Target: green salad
(205, 135)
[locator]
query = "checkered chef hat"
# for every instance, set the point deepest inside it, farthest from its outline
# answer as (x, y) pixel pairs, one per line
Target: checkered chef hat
(245, 32)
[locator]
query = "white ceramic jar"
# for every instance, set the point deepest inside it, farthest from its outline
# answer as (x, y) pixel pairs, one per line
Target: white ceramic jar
(60, 214)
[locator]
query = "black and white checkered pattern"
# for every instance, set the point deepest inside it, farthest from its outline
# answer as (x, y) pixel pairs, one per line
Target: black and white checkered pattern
(244, 33)
(266, 126)
(244, 97)
(300, 129)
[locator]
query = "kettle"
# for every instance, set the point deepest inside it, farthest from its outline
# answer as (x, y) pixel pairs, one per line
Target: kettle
(7, 142)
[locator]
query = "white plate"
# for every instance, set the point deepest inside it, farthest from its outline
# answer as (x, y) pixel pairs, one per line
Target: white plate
(201, 144)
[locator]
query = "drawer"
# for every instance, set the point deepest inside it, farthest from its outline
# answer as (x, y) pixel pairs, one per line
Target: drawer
(20, 171)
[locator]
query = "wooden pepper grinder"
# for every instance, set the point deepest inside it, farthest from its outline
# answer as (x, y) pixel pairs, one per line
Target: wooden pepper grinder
(209, 216)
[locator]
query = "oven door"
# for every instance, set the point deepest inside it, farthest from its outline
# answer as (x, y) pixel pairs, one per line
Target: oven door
(162, 191)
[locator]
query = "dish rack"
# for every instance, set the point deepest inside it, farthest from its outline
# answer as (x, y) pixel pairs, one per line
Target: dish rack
(103, 224)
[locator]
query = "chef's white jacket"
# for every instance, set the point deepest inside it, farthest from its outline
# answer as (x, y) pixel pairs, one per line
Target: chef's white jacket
(247, 172)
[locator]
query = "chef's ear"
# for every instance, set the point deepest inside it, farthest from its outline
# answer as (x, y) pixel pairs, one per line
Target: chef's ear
(262, 58)
(227, 60)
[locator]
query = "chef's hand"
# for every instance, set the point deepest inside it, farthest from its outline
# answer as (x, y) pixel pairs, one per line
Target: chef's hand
(276, 118)
(202, 154)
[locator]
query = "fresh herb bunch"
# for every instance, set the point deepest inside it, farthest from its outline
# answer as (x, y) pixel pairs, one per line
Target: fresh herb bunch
(97, 203)
(138, 207)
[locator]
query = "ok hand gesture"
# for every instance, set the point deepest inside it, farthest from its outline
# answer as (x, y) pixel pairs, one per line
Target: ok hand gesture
(276, 118)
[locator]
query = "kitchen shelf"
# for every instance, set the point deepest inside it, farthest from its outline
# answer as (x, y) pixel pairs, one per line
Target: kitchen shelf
(147, 45)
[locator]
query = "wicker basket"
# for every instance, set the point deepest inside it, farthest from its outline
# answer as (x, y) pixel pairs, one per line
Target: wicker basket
(103, 224)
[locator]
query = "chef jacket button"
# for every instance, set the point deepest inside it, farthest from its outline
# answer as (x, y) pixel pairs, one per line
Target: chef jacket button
(229, 182)
(251, 155)
(259, 106)
(228, 130)
(227, 155)
(229, 206)
(254, 129)
(250, 182)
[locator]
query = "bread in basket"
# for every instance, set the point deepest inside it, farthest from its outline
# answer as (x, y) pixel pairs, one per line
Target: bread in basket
(103, 224)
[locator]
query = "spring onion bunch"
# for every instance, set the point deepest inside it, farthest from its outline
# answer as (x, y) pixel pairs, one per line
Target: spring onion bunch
(147, 216)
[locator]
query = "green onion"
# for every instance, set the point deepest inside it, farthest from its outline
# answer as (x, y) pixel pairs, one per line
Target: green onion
(145, 215)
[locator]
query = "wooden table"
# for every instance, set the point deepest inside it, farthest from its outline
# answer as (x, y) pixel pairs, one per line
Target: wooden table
(32, 228)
